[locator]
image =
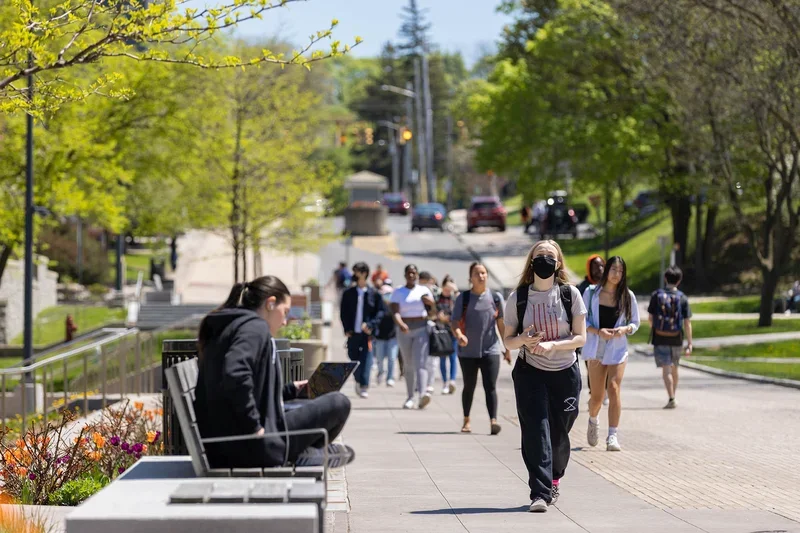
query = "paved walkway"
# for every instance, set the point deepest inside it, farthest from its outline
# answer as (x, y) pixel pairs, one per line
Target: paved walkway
(725, 461)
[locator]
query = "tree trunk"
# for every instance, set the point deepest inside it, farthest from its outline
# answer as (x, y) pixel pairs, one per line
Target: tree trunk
(681, 209)
(701, 281)
(5, 255)
(770, 283)
(710, 233)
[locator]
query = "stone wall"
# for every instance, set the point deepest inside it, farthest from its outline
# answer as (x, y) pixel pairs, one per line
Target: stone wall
(12, 288)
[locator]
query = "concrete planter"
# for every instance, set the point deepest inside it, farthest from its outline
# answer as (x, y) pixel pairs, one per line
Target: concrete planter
(366, 221)
(314, 352)
(316, 329)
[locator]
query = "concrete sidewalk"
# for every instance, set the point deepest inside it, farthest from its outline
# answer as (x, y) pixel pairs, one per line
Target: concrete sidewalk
(725, 461)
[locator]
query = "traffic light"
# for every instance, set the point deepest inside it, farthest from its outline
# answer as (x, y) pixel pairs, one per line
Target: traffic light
(368, 136)
(405, 135)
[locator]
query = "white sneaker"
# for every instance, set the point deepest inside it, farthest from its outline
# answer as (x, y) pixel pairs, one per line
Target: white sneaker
(538, 506)
(446, 390)
(409, 404)
(452, 387)
(424, 401)
(390, 383)
(612, 444)
(605, 400)
(429, 390)
(364, 394)
(593, 434)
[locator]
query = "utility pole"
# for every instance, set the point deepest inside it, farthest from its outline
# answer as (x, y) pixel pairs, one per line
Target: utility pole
(408, 146)
(450, 162)
(395, 159)
(608, 221)
(420, 134)
(432, 185)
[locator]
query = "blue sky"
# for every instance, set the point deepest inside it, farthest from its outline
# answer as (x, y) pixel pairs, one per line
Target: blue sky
(458, 25)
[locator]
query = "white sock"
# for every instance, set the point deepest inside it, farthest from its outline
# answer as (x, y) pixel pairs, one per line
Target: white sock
(612, 431)
(594, 420)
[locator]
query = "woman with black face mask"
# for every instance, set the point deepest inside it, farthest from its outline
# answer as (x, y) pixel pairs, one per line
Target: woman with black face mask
(545, 320)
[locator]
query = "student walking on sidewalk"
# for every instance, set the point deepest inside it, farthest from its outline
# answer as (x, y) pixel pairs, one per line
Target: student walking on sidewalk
(477, 317)
(670, 316)
(361, 312)
(545, 319)
(444, 308)
(410, 305)
(385, 343)
(613, 315)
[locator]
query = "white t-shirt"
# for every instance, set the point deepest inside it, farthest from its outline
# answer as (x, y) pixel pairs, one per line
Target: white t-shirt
(544, 310)
(410, 301)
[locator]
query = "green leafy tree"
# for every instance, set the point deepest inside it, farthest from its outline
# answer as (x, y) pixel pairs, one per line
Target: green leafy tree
(48, 38)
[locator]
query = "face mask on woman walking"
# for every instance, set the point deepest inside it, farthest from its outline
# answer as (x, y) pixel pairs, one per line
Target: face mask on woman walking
(545, 321)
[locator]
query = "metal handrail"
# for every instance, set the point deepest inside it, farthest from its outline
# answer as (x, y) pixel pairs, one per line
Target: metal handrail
(124, 359)
(117, 333)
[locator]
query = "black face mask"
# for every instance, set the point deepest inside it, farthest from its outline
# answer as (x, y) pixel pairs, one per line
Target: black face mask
(544, 266)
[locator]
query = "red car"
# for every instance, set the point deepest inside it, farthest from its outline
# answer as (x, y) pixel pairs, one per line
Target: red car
(486, 211)
(397, 203)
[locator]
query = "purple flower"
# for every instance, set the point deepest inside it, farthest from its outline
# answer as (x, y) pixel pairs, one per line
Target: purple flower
(126, 446)
(31, 476)
(121, 469)
(129, 451)
(63, 460)
(138, 448)
(138, 456)
(158, 434)
(114, 441)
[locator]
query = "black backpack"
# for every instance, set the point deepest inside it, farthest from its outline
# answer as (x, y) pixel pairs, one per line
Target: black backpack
(522, 304)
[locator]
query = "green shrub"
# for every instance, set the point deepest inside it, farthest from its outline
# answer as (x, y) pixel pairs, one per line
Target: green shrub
(60, 245)
(76, 491)
(296, 331)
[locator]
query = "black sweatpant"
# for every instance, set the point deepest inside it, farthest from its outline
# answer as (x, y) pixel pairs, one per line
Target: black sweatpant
(329, 411)
(547, 406)
(489, 366)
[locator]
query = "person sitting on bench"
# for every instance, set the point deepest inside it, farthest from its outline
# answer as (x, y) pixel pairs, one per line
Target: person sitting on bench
(240, 388)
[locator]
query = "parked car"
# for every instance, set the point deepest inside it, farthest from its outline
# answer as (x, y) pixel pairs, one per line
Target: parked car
(428, 216)
(559, 217)
(646, 203)
(486, 211)
(397, 203)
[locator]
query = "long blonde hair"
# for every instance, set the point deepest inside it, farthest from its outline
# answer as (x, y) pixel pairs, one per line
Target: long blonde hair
(527, 277)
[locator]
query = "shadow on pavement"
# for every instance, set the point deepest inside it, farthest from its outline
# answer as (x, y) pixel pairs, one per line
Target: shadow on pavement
(474, 510)
(428, 433)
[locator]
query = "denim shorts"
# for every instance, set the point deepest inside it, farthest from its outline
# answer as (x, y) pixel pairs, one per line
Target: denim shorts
(667, 355)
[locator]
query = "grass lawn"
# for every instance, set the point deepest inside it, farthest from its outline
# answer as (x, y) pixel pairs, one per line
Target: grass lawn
(739, 304)
(134, 263)
(789, 349)
(48, 327)
(706, 329)
(641, 253)
(513, 206)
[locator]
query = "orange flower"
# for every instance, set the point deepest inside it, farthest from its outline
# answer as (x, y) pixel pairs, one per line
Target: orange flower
(144, 448)
(160, 412)
(99, 440)
(138, 405)
(9, 458)
(20, 443)
(22, 471)
(151, 437)
(94, 456)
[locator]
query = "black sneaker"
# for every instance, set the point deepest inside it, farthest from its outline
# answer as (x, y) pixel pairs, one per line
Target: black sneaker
(338, 456)
(554, 495)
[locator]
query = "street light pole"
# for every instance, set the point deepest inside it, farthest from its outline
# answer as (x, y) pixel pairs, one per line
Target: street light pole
(420, 134)
(27, 337)
(433, 187)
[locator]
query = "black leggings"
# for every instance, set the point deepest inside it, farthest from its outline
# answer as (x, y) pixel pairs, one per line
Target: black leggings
(329, 411)
(489, 366)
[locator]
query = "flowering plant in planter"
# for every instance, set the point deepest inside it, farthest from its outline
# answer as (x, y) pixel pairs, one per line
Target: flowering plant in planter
(42, 460)
(65, 462)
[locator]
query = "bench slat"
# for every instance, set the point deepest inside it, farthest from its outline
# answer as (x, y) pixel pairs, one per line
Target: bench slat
(269, 493)
(307, 492)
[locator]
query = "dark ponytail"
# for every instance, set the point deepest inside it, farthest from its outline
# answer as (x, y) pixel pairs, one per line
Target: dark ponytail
(251, 295)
